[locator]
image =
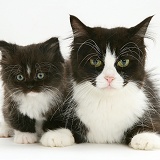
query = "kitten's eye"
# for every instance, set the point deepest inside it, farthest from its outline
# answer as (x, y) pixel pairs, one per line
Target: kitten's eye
(20, 77)
(123, 63)
(95, 62)
(40, 75)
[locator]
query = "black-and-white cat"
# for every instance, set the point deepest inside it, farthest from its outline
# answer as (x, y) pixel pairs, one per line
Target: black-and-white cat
(33, 78)
(112, 98)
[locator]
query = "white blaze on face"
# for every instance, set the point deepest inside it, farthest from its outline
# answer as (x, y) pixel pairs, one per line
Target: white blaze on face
(109, 77)
(28, 70)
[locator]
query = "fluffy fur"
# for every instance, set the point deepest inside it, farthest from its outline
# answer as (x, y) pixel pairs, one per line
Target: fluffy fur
(112, 99)
(33, 78)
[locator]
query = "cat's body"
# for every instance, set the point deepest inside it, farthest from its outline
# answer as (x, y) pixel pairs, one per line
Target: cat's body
(33, 79)
(112, 99)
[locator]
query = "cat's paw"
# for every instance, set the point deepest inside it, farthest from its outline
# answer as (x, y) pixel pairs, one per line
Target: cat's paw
(145, 141)
(5, 131)
(25, 137)
(57, 138)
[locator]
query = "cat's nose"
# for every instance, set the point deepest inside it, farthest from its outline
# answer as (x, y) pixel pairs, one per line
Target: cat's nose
(109, 79)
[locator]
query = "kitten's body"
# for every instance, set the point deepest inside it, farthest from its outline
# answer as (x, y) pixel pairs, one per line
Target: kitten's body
(112, 99)
(33, 87)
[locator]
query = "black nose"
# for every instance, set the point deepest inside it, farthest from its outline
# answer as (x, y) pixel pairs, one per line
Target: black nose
(30, 86)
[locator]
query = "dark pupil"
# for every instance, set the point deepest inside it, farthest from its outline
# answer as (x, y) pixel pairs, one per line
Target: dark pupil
(20, 77)
(40, 75)
(95, 61)
(124, 62)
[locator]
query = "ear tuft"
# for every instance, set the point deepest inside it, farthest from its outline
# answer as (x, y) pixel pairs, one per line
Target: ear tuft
(51, 48)
(141, 29)
(79, 29)
(7, 50)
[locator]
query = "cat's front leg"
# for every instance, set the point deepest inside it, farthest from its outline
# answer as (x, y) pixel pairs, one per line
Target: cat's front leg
(145, 141)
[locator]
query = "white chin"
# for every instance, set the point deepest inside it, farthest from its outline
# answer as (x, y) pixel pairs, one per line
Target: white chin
(32, 94)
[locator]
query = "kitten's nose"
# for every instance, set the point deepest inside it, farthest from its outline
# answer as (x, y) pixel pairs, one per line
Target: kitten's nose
(29, 86)
(109, 79)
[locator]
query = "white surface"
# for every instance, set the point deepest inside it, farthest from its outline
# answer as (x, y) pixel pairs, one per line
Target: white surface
(33, 21)
(10, 150)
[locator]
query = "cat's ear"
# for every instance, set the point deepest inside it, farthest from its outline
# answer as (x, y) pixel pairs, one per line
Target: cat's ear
(52, 49)
(79, 29)
(7, 50)
(140, 29)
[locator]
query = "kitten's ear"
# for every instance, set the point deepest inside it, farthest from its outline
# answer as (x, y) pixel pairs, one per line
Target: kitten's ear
(51, 48)
(79, 29)
(141, 28)
(7, 50)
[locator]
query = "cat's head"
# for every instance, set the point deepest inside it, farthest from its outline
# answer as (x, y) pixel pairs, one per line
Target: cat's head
(108, 58)
(32, 69)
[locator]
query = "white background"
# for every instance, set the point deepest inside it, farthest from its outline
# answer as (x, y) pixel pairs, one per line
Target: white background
(33, 21)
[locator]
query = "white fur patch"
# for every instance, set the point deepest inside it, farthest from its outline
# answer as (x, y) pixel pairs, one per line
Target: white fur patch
(108, 113)
(28, 70)
(5, 130)
(109, 71)
(24, 137)
(34, 104)
(145, 141)
(57, 138)
(109, 109)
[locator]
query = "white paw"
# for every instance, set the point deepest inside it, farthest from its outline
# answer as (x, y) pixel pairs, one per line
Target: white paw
(5, 131)
(25, 137)
(57, 138)
(145, 141)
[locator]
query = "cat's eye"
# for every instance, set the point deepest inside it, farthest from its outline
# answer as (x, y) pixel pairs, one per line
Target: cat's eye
(20, 77)
(40, 75)
(123, 63)
(95, 62)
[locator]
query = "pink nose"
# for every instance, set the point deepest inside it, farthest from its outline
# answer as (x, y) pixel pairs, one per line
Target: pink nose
(109, 79)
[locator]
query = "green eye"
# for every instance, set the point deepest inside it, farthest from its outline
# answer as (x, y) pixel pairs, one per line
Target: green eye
(20, 77)
(95, 62)
(123, 63)
(40, 75)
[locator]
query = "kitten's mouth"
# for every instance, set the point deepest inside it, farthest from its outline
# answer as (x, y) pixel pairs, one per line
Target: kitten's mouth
(32, 94)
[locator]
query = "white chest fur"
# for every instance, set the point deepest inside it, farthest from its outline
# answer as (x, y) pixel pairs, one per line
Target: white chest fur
(34, 104)
(108, 114)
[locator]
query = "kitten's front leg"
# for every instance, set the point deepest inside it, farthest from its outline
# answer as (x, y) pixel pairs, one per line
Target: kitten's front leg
(57, 138)
(5, 130)
(24, 128)
(56, 134)
(25, 137)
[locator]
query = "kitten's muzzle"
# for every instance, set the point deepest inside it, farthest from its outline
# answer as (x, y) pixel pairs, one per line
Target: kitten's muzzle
(29, 86)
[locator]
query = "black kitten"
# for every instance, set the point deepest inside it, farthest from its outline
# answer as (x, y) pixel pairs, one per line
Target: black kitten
(112, 98)
(33, 82)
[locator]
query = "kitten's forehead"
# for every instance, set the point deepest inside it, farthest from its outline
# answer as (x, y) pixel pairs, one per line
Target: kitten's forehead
(28, 70)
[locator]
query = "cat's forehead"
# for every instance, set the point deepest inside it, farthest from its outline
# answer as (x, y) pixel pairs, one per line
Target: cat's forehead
(113, 38)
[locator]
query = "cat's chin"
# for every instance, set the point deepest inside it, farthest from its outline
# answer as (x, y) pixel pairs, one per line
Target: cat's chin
(109, 88)
(32, 94)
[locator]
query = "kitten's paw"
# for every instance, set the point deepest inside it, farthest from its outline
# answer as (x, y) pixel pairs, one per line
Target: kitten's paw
(57, 138)
(25, 137)
(145, 141)
(5, 131)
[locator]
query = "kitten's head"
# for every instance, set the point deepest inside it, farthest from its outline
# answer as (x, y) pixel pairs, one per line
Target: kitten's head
(108, 58)
(31, 69)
